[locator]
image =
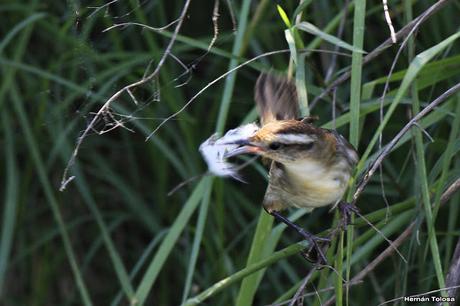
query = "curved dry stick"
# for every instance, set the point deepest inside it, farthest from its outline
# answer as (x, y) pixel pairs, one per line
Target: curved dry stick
(65, 179)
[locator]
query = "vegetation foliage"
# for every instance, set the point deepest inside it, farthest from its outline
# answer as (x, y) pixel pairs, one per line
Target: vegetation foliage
(134, 87)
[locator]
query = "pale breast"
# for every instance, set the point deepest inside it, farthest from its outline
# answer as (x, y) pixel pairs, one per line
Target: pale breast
(309, 184)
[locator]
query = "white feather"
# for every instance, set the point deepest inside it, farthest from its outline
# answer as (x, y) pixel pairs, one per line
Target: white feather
(214, 149)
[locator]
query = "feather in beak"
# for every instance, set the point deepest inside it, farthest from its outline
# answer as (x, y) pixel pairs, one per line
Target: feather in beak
(216, 150)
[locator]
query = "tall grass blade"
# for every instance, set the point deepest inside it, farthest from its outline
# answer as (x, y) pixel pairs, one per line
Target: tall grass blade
(51, 198)
(312, 29)
(10, 199)
(169, 241)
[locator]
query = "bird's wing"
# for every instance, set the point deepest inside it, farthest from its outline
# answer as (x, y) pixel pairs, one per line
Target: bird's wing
(347, 150)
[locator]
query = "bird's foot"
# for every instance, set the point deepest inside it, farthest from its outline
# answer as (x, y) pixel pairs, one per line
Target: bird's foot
(315, 252)
(315, 241)
(346, 210)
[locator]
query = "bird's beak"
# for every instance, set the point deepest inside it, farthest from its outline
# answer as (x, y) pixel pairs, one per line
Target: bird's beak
(245, 147)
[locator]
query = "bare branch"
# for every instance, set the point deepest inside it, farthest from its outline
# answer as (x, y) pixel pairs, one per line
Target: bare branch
(65, 179)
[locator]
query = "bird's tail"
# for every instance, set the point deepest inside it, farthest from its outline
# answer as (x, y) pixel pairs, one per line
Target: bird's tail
(276, 98)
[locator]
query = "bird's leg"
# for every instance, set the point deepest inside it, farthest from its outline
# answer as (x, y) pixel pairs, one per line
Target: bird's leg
(346, 209)
(314, 240)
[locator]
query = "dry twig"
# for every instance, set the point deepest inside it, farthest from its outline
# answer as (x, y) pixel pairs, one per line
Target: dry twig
(65, 178)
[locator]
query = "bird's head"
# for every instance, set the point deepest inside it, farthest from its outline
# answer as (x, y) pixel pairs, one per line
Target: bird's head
(287, 141)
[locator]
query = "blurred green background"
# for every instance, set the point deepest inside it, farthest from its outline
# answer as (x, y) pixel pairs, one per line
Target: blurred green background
(115, 237)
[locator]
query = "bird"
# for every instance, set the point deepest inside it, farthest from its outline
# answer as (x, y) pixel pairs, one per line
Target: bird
(310, 167)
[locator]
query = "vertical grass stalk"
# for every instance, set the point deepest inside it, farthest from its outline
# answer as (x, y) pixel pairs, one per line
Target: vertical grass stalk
(423, 177)
(355, 101)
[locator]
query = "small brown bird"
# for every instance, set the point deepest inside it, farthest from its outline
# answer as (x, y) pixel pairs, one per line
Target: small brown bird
(310, 166)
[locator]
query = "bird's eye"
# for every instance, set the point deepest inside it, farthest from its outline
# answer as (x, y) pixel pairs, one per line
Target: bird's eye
(308, 146)
(275, 145)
